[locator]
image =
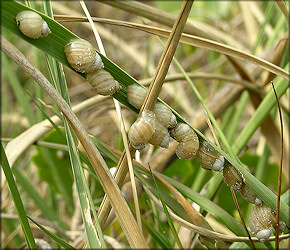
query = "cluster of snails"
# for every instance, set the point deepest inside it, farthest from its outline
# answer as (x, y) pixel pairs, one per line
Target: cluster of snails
(31, 24)
(152, 127)
(83, 58)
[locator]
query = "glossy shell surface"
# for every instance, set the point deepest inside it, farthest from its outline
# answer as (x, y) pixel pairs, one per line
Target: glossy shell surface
(164, 115)
(187, 149)
(261, 221)
(249, 196)
(103, 82)
(142, 129)
(232, 177)
(82, 56)
(209, 158)
(161, 136)
(32, 25)
(136, 95)
(182, 132)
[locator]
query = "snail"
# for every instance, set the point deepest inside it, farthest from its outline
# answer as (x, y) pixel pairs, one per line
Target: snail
(262, 222)
(31, 24)
(249, 196)
(182, 131)
(160, 136)
(164, 115)
(82, 56)
(136, 95)
(103, 82)
(187, 149)
(142, 129)
(209, 158)
(232, 177)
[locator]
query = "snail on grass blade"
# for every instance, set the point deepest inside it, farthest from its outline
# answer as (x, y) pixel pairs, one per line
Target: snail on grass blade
(209, 158)
(31, 24)
(103, 82)
(161, 136)
(262, 222)
(136, 95)
(232, 177)
(249, 196)
(82, 56)
(142, 130)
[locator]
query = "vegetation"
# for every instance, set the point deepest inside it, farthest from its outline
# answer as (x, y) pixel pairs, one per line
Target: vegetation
(61, 140)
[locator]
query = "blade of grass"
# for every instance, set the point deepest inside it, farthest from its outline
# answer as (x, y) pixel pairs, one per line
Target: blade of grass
(53, 236)
(17, 201)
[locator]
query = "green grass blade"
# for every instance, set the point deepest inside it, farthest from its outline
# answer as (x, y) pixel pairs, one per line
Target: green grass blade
(17, 201)
(53, 236)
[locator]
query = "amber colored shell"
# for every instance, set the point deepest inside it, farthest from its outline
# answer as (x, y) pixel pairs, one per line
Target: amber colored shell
(209, 158)
(161, 136)
(261, 221)
(31, 24)
(249, 196)
(82, 56)
(103, 82)
(164, 115)
(136, 95)
(232, 177)
(142, 129)
(187, 149)
(182, 132)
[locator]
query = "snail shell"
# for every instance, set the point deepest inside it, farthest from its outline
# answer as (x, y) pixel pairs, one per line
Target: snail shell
(82, 56)
(261, 221)
(249, 196)
(31, 24)
(161, 136)
(187, 149)
(209, 158)
(136, 95)
(103, 82)
(142, 129)
(232, 177)
(164, 115)
(182, 132)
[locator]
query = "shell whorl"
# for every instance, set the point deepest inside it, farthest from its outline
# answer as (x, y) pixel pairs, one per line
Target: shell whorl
(164, 115)
(103, 82)
(136, 95)
(209, 158)
(31, 24)
(142, 129)
(160, 136)
(82, 56)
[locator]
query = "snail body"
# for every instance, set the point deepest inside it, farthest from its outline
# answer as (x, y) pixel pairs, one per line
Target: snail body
(136, 95)
(232, 177)
(142, 129)
(249, 196)
(31, 24)
(164, 115)
(82, 56)
(209, 158)
(103, 82)
(160, 136)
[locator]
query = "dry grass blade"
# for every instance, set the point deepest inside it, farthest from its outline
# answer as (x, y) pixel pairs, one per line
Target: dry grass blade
(31, 135)
(277, 57)
(283, 8)
(166, 57)
(119, 204)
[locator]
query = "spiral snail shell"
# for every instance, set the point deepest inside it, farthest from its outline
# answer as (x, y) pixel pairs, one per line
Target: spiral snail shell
(209, 158)
(82, 56)
(31, 24)
(142, 129)
(160, 136)
(261, 222)
(164, 115)
(232, 177)
(249, 196)
(182, 132)
(187, 149)
(103, 82)
(136, 95)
